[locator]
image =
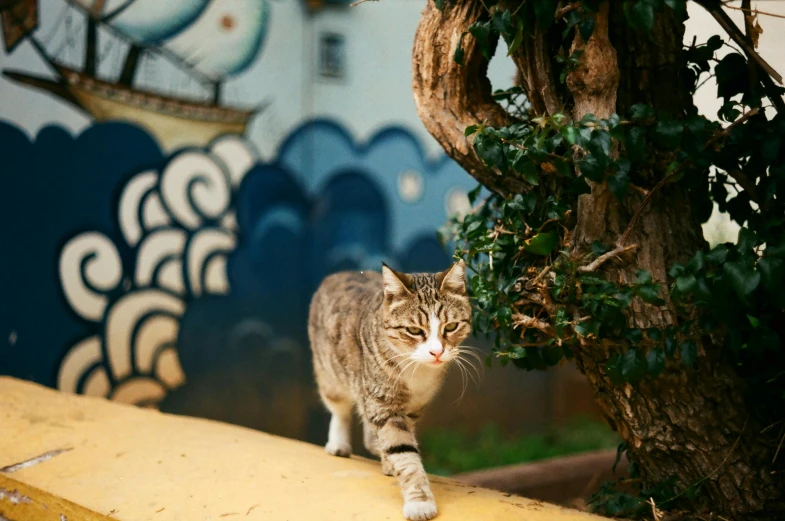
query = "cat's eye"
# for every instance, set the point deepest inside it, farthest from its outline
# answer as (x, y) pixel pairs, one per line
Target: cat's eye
(452, 326)
(416, 331)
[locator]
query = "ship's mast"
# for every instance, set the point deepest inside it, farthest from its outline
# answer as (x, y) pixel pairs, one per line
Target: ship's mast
(217, 93)
(130, 65)
(91, 59)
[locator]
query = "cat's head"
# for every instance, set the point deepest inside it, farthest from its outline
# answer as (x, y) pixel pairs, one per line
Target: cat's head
(427, 315)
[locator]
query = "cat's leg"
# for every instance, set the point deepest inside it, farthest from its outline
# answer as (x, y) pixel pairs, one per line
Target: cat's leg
(339, 437)
(369, 439)
(371, 443)
(400, 454)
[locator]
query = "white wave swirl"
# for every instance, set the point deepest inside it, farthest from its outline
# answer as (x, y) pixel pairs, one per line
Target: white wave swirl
(181, 229)
(134, 314)
(195, 188)
(89, 268)
(206, 261)
(159, 260)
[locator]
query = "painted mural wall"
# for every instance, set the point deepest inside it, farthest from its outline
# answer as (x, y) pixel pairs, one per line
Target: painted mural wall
(176, 178)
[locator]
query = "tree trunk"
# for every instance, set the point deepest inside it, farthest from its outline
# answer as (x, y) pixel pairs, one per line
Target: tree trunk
(691, 424)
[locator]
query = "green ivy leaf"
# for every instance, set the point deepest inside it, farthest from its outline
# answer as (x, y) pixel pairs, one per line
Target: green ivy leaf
(654, 334)
(655, 359)
(473, 194)
(640, 14)
(471, 129)
(613, 368)
(527, 168)
(689, 353)
(731, 75)
(619, 183)
(743, 278)
(696, 263)
(502, 24)
(668, 133)
(459, 52)
(517, 39)
(591, 168)
(634, 335)
(600, 143)
(482, 32)
(586, 26)
(641, 111)
(679, 8)
(771, 273)
(642, 277)
(746, 240)
(686, 284)
(542, 243)
(718, 255)
(490, 151)
(571, 135)
(633, 366)
(670, 345)
(635, 143)
(650, 295)
(714, 43)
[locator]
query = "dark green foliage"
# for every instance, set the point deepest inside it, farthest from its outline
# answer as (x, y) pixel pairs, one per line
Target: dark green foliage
(541, 301)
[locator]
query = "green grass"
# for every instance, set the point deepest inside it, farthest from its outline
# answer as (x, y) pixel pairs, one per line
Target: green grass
(447, 452)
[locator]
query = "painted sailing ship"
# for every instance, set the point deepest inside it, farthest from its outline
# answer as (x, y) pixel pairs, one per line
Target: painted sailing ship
(210, 39)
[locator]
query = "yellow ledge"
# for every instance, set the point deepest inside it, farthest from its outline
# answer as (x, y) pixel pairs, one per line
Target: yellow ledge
(75, 458)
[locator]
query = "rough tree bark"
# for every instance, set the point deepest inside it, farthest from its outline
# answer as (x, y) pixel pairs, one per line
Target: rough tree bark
(690, 424)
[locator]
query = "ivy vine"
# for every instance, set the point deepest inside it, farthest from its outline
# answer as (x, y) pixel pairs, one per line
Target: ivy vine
(539, 300)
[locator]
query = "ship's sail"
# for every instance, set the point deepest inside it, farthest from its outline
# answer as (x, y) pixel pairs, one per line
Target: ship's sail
(145, 22)
(19, 18)
(216, 38)
(224, 40)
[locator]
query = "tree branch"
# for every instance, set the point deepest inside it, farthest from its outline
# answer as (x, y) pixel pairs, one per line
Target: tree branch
(599, 261)
(451, 96)
(770, 75)
(724, 132)
(526, 321)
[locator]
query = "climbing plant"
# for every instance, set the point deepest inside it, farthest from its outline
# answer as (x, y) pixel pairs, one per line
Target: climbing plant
(584, 241)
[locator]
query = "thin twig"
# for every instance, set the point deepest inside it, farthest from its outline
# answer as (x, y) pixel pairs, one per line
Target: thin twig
(566, 9)
(777, 453)
(722, 18)
(723, 133)
(527, 322)
(539, 277)
(599, 261)
(726, 3)
(358, 2)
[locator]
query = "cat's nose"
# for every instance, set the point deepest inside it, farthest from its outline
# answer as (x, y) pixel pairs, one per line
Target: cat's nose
(436, 353)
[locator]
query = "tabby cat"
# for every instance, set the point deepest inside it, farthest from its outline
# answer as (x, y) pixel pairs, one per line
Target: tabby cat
(381, 343)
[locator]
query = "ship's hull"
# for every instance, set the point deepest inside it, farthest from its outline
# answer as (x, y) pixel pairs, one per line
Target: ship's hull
(175, 123)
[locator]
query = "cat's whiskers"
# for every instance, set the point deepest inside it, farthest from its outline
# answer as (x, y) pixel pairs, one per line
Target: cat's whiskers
(465, 361)
(472, 351)
(464, 380)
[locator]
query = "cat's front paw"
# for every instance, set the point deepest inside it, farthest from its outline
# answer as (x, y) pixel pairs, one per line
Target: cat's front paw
(343, 450)
(419, 510)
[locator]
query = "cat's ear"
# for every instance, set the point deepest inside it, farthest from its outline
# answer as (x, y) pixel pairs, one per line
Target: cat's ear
(453, 280)
(396, 284)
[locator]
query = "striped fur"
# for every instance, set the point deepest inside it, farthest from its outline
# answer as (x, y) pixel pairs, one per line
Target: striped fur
(381, 343)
